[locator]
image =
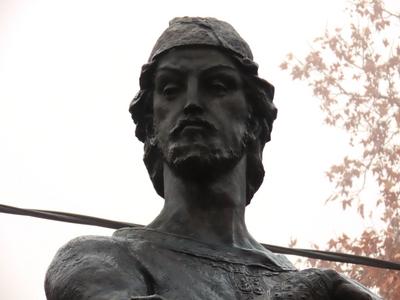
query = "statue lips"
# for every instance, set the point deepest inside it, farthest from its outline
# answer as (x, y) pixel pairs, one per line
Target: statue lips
(193, 125)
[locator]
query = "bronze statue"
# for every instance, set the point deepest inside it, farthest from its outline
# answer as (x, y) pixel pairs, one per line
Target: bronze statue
(204, 116)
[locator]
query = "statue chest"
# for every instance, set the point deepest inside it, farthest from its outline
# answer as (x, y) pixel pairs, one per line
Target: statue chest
(182, 276)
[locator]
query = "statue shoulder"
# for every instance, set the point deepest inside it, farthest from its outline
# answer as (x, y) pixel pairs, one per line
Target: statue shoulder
(86, 244)
(94, 266)
(343, 287)
(82, 252)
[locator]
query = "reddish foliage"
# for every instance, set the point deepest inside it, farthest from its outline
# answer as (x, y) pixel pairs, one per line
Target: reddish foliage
(355, 73)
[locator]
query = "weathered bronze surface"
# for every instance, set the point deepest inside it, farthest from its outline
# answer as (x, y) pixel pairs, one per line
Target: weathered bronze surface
(204, 116)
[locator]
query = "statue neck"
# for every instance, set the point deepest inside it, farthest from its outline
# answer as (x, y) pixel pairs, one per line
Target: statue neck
(208, 211)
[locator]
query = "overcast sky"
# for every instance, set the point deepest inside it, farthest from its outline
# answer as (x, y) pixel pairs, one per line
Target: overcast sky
(68, 70)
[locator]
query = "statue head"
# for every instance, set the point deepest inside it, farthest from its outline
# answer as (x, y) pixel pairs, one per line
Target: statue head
(221, 40)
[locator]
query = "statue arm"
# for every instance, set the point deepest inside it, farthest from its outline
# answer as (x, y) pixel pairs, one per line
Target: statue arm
(346, 288)
(95, 268)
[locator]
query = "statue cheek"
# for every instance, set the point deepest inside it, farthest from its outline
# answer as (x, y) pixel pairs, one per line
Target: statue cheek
(236, 107)
(159, 113)
(166, 112)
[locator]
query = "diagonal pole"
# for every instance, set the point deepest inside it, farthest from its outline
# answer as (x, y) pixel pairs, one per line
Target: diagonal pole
(94, 221)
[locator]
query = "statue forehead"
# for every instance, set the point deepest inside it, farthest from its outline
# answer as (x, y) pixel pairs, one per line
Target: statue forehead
(198, 58)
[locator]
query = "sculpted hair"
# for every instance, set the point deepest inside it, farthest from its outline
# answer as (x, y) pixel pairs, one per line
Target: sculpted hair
(259, 94)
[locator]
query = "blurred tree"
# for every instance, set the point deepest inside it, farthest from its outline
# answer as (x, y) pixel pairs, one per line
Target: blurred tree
(355, 72)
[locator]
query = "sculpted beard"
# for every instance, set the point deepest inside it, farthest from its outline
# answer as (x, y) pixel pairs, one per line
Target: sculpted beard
(199, 160)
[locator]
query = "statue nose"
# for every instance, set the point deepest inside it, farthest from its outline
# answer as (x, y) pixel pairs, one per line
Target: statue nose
(193, 102)
(192, 108)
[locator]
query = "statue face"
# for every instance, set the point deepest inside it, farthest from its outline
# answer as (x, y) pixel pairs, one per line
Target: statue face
(200, 110)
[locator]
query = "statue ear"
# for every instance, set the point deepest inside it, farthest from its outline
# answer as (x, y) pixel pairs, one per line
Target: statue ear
(258, 130)
(253, 125)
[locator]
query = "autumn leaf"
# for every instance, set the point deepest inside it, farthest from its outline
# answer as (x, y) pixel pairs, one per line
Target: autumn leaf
(353, 71)
(283, 66)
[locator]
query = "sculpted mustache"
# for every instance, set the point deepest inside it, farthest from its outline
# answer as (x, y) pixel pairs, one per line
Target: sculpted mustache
(197, 122)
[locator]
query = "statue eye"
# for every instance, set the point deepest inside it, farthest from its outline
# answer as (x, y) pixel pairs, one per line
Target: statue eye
(218, 87)
(170, 90)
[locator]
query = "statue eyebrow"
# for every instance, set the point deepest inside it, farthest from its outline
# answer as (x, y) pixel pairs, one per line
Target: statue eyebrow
(218, 68)
(168, 69)
(169, 72)
(164, 71)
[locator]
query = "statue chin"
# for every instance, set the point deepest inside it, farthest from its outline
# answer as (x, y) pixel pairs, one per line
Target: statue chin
(201, 162)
